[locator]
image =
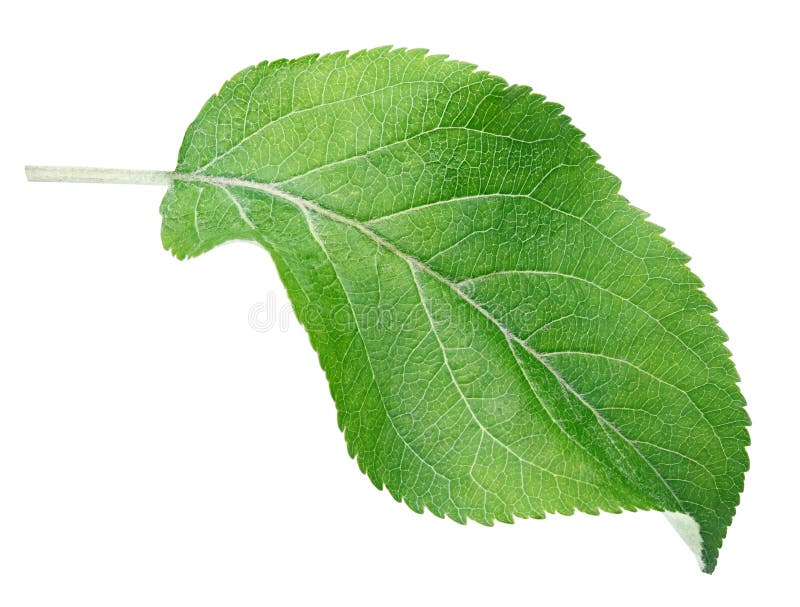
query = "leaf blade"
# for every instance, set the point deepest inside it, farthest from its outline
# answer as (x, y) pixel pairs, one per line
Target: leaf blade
(475, 214)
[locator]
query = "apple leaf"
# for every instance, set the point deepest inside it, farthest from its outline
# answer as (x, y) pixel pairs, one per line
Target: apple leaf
(503, 334)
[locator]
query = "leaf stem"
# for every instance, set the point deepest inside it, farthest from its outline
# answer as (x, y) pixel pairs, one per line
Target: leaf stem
(95, 175)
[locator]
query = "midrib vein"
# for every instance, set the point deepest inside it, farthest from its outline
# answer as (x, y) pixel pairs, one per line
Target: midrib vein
(304, 204)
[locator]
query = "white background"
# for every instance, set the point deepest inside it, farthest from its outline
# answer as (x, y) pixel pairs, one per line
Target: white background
(156, 449)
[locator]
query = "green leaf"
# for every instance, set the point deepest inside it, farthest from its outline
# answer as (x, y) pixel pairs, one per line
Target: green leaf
(504, 335)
